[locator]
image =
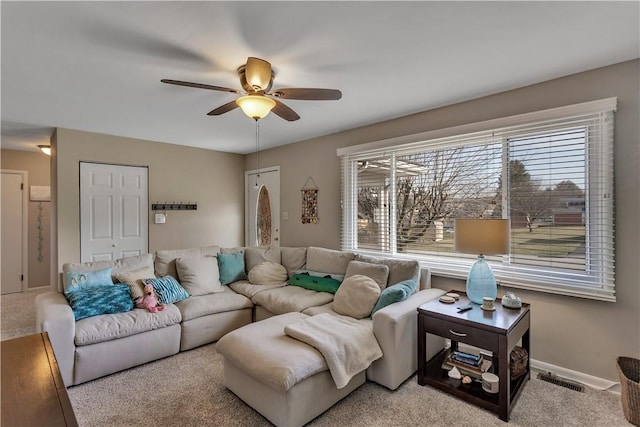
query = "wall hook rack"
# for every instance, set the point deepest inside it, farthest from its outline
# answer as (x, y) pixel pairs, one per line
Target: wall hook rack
(157, 206)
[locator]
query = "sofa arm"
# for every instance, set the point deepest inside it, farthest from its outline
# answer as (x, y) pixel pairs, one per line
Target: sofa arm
(396, 329)
(54, 316)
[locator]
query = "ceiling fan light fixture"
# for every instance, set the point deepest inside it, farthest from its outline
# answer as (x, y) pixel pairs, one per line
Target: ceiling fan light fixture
(255, 106)
(46, 149)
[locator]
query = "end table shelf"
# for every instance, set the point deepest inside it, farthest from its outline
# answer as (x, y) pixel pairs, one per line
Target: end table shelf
(497, 332)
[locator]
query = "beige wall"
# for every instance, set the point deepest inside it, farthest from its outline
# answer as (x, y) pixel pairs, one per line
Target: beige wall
(214, 180)
(37, 166)
(578, 334)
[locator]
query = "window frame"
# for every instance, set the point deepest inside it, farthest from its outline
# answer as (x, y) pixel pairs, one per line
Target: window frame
(579, 284)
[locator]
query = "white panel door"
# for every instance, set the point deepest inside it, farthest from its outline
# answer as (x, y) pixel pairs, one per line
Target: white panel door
(113, 211)
(259, 215)
(13, 230)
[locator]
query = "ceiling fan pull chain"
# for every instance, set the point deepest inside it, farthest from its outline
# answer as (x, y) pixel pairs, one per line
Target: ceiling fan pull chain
(257, 152)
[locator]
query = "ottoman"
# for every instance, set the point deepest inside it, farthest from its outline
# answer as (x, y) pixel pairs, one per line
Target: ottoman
(285, 380)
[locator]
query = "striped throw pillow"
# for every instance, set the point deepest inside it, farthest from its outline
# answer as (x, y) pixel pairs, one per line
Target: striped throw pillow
(167, 289)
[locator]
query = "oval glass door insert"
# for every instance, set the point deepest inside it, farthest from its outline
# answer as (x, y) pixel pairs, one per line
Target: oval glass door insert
(263, 223)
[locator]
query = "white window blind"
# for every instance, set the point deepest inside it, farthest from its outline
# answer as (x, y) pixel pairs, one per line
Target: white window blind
(550, 173)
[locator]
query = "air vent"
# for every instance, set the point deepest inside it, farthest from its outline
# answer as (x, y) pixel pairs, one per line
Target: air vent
(553, 379)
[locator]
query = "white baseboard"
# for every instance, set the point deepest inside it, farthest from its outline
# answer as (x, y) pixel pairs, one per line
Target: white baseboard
(588, 380)
(39, 288)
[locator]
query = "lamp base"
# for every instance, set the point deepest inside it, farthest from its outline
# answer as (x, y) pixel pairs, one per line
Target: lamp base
(481, 282)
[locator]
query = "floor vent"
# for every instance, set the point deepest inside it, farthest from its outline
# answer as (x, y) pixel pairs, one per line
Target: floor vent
(553, 379)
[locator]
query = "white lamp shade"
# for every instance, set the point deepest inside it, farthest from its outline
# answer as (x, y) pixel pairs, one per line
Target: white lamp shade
(255, 106)
(482, 236)
(46, 149)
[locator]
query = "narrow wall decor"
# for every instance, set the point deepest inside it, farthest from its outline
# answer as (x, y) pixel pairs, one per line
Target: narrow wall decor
(309, 202)
(40, 193)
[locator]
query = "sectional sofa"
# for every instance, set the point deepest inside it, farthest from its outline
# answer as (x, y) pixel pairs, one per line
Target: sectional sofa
(100, 345)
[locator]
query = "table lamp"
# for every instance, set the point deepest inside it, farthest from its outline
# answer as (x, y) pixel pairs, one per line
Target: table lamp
(483, 237)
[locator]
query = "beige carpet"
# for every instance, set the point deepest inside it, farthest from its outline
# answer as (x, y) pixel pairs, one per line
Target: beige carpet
(187, 390)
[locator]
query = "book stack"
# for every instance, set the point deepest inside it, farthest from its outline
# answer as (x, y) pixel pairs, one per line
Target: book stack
(473, 365)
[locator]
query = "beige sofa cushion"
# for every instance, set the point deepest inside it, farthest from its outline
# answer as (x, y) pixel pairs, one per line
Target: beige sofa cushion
(293, 259)
(133, 279)
(199, 275)
(118, 266)
(107, 327)
(267, 273)
(328, 260)
(165, 262)
(399, 269)
(290, 298)
(356, 297)
(328, 308)
(264, 352)
(203, 305)
(378, 272)
(254, 256)
(249, 290)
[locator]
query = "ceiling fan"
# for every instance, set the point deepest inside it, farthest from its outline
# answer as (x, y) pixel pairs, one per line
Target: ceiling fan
(256, 78)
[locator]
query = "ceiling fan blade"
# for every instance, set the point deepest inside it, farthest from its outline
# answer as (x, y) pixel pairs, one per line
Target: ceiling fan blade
(199, 85)
(223, 109)
(258, 73)
(285, 112)
(308, 94)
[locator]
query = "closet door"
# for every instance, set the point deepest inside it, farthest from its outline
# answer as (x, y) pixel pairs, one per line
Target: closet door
(114, 212)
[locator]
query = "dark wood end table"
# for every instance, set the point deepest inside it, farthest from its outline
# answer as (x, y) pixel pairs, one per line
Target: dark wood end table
(33, 393)
(496, 331)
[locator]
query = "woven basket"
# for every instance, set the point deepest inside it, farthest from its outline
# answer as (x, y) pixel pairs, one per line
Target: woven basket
(629, 372)
(519, 358)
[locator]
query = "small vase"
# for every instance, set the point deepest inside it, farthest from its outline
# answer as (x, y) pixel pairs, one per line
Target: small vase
(481, 282)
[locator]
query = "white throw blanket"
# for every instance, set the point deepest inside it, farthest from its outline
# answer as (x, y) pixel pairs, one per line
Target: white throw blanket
(347, 346)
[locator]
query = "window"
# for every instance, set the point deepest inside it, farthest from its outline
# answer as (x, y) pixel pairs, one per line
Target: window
(550, 173)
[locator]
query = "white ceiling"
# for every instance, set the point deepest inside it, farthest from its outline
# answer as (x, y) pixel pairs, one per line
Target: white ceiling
(96, 66)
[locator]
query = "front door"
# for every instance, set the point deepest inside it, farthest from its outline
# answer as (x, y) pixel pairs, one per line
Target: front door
(114, 211)
(14, 265)
(262, 202)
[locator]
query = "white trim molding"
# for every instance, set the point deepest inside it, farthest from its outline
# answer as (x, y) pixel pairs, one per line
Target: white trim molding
(590, 381)
(590, 107)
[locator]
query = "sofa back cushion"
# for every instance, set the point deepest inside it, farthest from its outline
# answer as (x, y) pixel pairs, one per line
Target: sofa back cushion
(165, 263)
(257, 255)
(378, 272)
(118, 266)
(199, 275)
(328, 261)
(356, 296)
(399, 270)
(293, 259)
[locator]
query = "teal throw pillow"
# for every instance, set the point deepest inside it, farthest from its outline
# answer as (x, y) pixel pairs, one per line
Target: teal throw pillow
(77, 280)
(396, 293)
(314, 283)
(98, 300)
(411, 285)
(231, 267)
(167, 289)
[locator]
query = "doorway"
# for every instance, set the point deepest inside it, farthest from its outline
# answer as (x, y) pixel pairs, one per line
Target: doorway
(114, 211)
(14, 231)
(262, 207)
